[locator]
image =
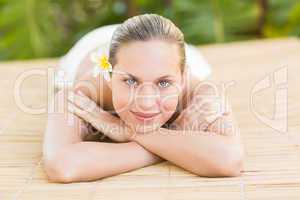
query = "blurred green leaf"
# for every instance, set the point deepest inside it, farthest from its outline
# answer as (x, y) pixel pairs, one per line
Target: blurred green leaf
(283, 18)
(49, 28)
(216, 20)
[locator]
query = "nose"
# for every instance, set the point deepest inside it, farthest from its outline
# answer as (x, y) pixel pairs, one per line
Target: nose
(147, 96)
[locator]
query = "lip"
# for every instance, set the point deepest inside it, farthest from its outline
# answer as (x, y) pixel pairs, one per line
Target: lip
(144, 116)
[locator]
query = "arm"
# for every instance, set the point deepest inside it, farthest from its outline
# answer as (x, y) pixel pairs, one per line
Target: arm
(87, 161)
(209, 145)
(203, 153)
(213, 151)
(68, 158)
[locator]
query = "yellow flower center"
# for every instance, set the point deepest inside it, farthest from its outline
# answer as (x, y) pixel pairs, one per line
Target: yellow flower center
(104, 62)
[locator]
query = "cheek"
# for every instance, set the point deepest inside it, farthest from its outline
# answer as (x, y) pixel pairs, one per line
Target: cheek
(169, 103)
(121, 98)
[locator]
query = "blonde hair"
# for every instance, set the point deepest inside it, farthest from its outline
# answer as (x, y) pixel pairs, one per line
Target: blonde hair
(143, 28)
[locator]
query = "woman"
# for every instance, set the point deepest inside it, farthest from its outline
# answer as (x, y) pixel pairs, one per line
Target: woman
(151, 107)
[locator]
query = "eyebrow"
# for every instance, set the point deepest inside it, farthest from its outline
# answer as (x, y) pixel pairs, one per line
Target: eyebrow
(136, 78)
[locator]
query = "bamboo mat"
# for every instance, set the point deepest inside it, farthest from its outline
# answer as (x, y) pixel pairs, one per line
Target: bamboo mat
(272, 163)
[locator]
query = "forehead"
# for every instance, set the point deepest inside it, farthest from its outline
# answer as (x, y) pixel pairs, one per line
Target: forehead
(149, 59)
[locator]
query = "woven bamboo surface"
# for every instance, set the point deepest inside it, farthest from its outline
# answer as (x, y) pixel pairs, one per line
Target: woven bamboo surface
(272, 162)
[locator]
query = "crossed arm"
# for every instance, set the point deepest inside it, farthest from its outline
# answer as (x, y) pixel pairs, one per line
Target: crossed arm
(68, 158)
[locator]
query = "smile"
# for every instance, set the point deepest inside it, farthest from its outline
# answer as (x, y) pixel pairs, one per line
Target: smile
(144, 116)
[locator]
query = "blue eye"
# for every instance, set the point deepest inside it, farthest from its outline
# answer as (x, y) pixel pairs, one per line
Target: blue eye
(164, 83)
(130, 81)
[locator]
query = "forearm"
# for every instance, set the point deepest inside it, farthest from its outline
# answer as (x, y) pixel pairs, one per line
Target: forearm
(203, 153)
(86, 161)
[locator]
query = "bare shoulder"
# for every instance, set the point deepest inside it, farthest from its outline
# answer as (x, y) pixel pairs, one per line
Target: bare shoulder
(95, 88)
(205, 104)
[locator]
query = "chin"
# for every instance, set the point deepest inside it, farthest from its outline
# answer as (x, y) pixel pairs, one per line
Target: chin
(140, 126)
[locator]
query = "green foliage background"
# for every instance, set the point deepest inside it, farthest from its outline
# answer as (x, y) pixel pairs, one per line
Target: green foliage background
(48, 28)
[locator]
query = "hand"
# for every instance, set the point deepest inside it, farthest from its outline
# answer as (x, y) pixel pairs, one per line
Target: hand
(89, 111)
(190, 119)
(205, 115)
(202, 111)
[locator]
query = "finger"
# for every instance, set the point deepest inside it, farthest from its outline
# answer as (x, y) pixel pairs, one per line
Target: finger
(86, 116)
(94, 108)
(79, 100)
(191, 113)
(84, 103)
(222, 125)
(72, 108)
(196, 125)
(205, 114)
(216, 125)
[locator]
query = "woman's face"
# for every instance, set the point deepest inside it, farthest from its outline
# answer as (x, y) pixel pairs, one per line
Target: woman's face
(146, 83)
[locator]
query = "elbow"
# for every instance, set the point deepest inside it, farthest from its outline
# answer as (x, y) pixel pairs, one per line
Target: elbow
(232, 164)
(232, 169)
(59, 169)
(227, 164)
